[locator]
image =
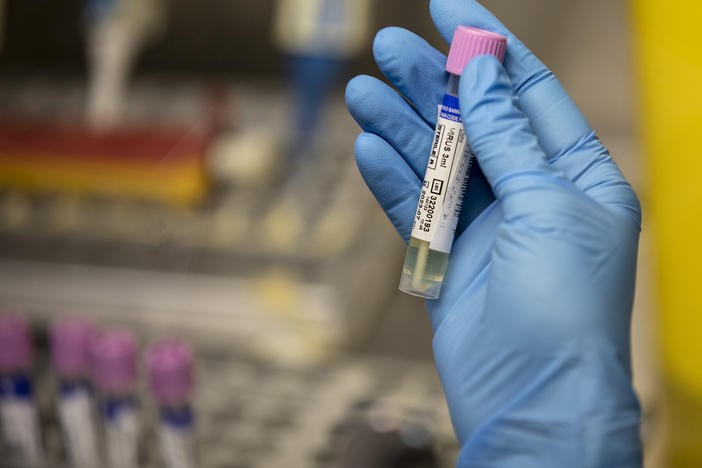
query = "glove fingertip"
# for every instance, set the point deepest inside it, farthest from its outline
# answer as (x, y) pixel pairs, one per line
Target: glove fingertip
(353, 87)
(385, 39)
(357, 91)
(448, 14)
(440, 14)
(363, 149)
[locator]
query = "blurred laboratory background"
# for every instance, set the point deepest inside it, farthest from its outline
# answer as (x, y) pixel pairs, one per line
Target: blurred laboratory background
(177, 185)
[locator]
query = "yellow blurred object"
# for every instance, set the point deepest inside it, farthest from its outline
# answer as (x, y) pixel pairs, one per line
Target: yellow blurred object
(183, 184)
(670, 73)
(283, 226)
(15, 210)
(280, 292)
(298, 335)
(334, 231)
(148, 162)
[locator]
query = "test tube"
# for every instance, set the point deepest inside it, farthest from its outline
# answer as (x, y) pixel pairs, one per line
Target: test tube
(447, 173)
(170, 372)
(71, 341)
(18, 412)
(115, 376)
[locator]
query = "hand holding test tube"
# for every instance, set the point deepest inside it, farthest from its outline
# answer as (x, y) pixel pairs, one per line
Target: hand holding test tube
(531, 332)
(447, 173)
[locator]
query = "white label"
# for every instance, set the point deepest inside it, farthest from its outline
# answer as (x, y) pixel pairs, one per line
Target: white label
(122, 433)
(21, 428)
(451, 210)
(177, 447)
(444, 181)
(77, 421)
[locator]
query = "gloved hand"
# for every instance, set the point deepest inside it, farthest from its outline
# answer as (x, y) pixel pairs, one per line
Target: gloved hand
(531, 333)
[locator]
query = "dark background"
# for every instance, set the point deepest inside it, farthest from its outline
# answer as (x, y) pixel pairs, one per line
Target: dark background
(235, 36)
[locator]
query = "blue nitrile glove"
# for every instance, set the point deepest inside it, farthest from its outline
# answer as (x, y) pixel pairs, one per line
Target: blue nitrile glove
(531, 333)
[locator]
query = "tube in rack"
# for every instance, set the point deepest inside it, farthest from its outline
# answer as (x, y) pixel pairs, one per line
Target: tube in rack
(18, 412)
(71, 341)
(115, 376)
(169, 365)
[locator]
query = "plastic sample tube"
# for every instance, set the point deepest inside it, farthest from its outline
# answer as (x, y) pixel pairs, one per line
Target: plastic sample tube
(115, 376)
(170, 371)
(447, 173)
(18, 412)
(71, 341)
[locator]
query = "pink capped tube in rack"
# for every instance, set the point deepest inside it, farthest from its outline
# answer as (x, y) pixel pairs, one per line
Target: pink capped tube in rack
(18, 412)
(71, 342)
(169, 364)
(114, 363)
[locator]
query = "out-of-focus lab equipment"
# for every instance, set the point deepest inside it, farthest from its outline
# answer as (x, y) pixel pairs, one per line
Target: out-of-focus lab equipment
(170, 368)
(115, 373)
(320, 38)
(20, 424)
(116, 32)
(71, 356)
(669, 68)
(223, 210)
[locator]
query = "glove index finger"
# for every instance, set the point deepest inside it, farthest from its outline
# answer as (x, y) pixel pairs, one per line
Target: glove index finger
(497, 130)
(414, 67)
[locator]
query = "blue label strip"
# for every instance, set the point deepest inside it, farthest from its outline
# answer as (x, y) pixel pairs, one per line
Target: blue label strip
(16, 386)
(450, 110)
(70, 388)
(112, 407)
(181, 418)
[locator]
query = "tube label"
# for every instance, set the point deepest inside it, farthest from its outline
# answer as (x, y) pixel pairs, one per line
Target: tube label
(447, 174)
(122, 433)
(177, 446)
(19, 419)
(75, 408)
(176, 437)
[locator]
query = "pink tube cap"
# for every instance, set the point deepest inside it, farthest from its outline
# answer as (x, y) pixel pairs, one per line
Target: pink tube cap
(71, 342)
(114, 361)
(470, 42)
(15, 344)
(170, 369)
